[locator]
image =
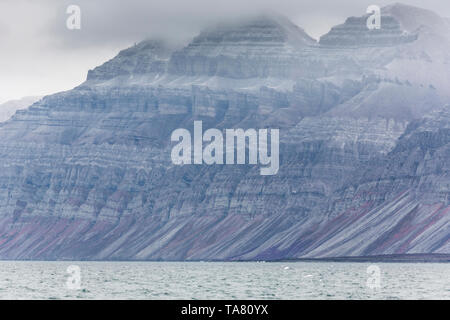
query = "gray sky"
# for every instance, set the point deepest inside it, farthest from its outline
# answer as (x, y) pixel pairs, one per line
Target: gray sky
(39, 55)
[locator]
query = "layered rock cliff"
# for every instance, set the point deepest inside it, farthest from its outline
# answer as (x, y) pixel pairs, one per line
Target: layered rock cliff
(86, 174)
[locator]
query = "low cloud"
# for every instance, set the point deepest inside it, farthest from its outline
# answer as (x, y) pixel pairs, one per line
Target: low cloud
(40, 55)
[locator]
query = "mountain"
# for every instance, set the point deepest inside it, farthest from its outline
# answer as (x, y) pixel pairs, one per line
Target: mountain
(262, 47)
(364, 143)
(8, 108)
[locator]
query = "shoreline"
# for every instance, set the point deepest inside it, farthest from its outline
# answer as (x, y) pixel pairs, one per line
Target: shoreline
(396, 258)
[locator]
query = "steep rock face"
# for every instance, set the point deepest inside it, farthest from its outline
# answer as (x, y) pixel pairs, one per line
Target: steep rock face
(417, 220)
(86, 174)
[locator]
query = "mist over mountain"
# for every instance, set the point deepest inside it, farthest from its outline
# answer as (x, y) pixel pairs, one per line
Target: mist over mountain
(8, 108)
(364, 119)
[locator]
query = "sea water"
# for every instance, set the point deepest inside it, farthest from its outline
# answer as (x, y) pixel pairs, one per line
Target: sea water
(227, 280)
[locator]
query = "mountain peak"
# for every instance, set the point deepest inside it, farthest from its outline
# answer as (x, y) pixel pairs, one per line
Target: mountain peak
(242, 48)
(411, 18)
(259, 47)
(354, 32)
(264, 28)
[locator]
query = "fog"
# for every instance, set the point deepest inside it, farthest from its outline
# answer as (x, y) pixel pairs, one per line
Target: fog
(39, 55)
